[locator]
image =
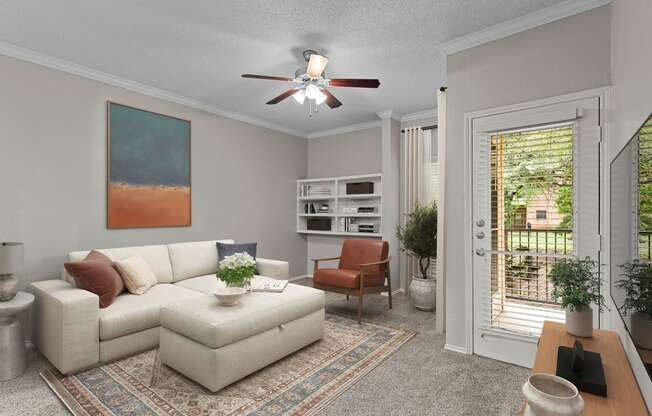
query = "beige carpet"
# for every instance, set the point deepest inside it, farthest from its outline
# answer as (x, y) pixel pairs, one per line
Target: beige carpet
(300, 384)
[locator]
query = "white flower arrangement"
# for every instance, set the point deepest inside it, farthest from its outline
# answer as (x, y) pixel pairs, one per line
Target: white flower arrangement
(237, 269)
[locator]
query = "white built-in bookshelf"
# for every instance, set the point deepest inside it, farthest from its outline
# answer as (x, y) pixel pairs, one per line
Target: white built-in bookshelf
(327, 199)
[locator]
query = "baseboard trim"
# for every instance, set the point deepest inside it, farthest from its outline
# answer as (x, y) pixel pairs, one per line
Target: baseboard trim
(394, 292)
(455, 348)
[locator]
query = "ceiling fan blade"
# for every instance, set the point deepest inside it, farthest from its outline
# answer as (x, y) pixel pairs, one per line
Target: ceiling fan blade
(267, 77)
(283, 96)
(355, 82)
(330, 99)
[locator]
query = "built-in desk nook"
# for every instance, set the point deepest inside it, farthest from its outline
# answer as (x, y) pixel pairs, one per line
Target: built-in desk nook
(623, 395)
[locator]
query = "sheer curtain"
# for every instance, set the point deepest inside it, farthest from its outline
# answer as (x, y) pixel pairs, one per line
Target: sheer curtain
(416, 184)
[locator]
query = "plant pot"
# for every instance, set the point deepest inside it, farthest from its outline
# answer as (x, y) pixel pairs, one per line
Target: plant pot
(579, 322)
(549, 395)
(422, 292)
(641, 328)
(230, 295)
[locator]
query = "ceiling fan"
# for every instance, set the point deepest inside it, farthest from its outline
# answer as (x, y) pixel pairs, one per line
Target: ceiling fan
(311, 83)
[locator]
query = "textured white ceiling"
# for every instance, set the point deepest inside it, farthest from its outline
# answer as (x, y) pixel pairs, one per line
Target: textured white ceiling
(199, 48)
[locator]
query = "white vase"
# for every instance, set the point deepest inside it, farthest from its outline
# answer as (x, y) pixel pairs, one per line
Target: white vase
(549, 395)
(641, 328)
(422, 292)
(579, 322)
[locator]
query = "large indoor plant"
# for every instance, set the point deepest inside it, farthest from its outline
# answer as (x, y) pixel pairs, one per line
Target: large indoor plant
(236, 271)
(577, 284)
(637, 284)
(419, 239)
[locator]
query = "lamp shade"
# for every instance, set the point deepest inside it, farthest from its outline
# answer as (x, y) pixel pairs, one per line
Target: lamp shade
(11, 258)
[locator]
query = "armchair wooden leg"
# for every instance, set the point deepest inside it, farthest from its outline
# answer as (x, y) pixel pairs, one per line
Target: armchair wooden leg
(347, 298)
(360, 307)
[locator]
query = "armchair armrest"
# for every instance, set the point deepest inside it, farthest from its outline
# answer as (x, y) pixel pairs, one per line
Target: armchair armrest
(276, 269)
(66, 325)
(317, 261)
(375, 263)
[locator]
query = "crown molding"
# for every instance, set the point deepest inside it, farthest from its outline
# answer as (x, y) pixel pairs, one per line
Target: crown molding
(520, 24)
(345, 129)
(85, 72)
(389, 114)
(420, 115)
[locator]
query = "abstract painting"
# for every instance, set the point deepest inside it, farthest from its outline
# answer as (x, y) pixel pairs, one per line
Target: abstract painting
(148, 169)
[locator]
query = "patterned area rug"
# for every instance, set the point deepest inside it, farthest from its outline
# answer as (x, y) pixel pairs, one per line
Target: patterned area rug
(300, 384)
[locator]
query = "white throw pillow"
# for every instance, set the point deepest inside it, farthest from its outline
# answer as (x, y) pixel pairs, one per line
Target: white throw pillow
(136, 274)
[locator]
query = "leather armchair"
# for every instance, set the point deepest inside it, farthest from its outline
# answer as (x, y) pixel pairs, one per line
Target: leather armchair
(363, 268)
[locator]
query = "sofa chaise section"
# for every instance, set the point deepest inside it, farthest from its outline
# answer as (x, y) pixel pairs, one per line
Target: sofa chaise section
(73, 333)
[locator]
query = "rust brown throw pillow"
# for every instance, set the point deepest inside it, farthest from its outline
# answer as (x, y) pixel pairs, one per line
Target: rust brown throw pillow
(97, 275)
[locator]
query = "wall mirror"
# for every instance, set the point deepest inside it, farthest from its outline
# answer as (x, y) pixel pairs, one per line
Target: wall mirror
(631, 239)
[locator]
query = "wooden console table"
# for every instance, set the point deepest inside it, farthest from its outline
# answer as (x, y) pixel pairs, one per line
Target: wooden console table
(623, 395)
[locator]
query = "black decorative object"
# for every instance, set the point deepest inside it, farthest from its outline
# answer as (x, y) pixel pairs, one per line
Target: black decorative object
(356, 188)
(582, 368)
(319, 224)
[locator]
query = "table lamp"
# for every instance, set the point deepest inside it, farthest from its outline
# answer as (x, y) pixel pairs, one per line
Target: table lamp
(11, 263)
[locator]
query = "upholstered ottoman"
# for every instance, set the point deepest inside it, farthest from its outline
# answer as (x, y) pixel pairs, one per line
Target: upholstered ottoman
(217, 345)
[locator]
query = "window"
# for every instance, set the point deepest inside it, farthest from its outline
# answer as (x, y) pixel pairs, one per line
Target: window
(541, 215)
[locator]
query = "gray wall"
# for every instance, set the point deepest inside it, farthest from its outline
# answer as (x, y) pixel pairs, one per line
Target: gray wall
(354, 153)
(630, 104)
(568, 55)
(53, 173)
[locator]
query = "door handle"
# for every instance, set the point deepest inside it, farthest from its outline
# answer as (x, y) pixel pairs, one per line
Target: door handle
(480, 252)
(480, 235)
(480, 223)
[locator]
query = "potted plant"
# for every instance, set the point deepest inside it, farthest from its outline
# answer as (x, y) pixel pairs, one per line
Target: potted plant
(637, 284)
(236, 271)
(418, 238)
(577, 284)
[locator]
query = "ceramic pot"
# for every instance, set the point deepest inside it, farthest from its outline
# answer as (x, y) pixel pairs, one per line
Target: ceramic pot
(579, 322)
(230, 295)
(8, 287)
(422, 292)
(549, 395)
(642, 330)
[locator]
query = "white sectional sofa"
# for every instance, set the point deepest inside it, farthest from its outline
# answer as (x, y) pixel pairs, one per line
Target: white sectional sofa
(74, 333)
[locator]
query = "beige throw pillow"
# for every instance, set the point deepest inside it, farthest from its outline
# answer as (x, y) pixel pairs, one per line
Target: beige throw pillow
(136, 274)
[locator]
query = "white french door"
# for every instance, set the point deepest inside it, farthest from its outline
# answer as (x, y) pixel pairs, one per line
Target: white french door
(536, 199)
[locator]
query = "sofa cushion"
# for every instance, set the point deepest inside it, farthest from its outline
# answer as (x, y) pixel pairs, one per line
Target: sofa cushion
(157, 258)
(97, 275)
(132, 313)
(213, 325)
(193, 259)
(136, 274)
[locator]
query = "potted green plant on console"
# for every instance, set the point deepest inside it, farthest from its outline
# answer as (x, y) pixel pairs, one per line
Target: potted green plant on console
(637, 284)
(577, 284)
(236, 271)
(419, 239)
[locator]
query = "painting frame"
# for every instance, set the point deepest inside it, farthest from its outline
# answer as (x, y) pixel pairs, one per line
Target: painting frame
(109, 159)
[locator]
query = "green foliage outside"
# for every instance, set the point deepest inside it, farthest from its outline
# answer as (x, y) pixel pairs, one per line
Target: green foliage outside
(637, 285)
(538, 162)
(645, 177)
(577, 283)
(419, 236)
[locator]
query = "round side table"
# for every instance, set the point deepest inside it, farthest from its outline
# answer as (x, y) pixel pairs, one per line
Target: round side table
(13, 357)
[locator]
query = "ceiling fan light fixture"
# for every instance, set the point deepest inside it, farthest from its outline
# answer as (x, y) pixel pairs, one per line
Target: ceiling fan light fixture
(316, 65)
(312, 92)
(321, 97)
(300, 96)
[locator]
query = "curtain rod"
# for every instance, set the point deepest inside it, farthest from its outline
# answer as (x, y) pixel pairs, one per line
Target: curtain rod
(434, 126)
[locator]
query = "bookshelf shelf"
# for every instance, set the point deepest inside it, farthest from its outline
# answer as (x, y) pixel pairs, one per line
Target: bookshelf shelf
(338, 201)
